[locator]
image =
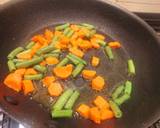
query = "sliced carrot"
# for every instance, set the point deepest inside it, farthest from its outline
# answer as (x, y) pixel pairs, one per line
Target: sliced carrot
(48, 35)
(39, 39)
(88, 74)
(43, 63)
(20, 71)
(83, 110)
(63, 72)
(59, 45)
(98, 83)
(25, 55)
(57, 33)
(85, 45)
(82, 32)
(64, 40)
(35, 48)
(101, 103)
(14, 81)
(95, 115)
(106, 114)
(95, 45)
(55, 89)
(28, 86)
(74, 36)
(76, 52)
(48, 80)
(99, 36)
(114, 44)
(30, 71)
(95, 61)
(75, 27)
(51, 60)
(74, 43)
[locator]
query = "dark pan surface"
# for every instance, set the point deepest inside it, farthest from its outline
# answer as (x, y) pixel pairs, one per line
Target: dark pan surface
(20, 19)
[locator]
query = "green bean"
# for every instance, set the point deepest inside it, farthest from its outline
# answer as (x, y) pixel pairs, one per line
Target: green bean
(11, 65)
(77, 58)
(13, 53)
(91, 33)
(17, 60)
(51, 55)
(61, 113)
(116, 93)
(89, 26)
(76, 62)
(109, 53)
(72, 100)
(62, 62)
(45, 50)
(28, 63)
(56, 51)
(33, 77)
(122, 99)
(70, 33)
(30, 45)
(24, 52)
(78, 69)
(66, 31)
(62, 27)
(62, 100)
(40, 68)
(115, 108)
(54, 40)
(128, 87)
(131, 67)
(101, 42)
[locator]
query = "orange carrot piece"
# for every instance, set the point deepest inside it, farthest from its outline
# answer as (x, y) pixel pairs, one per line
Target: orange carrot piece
(55, 89)
(95, 61)
(95, 115)
(98, 83)
(74, 43)
(114, 44)
(76, 52)
(20, 71)
(101, 103)
(14, 81)
(43, 63)
(39, 39)
(64, 40)
(95, 45)
(48, 35)
(88, 74)
(30, 71)
(85, 45)
(35, 48)
(99, 36)
(75, 27)
(58, 33)
(63, 72)
(83, 110)
(48, 80)
(51, 60)
(28, 86)
(106, 114)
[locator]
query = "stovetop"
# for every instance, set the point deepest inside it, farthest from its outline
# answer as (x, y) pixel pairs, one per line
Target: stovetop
(153, 19)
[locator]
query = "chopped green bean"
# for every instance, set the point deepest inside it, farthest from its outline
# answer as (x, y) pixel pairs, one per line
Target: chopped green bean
(62, 27)
(11, 65)
(72, 100)
(17, 60)
(109, 53)
(66, 31)
(78, 69)
(45, 50)
(13, 53)
(115, 108)
(122, 99)
(56, 51)
(61, 113)
(28, 63)
(91, 33)
(51, 55)
(62, 62)
(77, 58)
(128, 87)
(24, 52)
(54, 41)
(116, 93)
(131, 67)
(33, 77)
(101, 42)
(70, 33)
(30, 45)
(62, 100)
(75, 61)
(40, 68)
(89, 26)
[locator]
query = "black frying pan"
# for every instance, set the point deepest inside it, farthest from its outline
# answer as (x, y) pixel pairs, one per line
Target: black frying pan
(19, 19)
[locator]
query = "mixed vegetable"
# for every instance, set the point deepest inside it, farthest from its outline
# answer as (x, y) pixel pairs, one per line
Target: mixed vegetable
(58, 56)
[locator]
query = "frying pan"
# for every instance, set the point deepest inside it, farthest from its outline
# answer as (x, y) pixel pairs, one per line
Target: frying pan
(20, 18)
